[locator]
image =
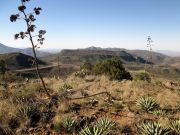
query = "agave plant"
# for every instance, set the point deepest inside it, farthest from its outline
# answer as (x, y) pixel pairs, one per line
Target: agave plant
(159, 113)
(27, 110)
(146, 103)
(69, 124)
(174, 125)
(66, 87)
(152, 128)
(93, 131)
(105, 124)
(65, 90)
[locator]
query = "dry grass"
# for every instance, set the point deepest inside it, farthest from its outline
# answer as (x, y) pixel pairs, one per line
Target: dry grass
(122, 110)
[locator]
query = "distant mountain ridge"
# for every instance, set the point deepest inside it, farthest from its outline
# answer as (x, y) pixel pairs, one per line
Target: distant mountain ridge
(93, 54)
(163, 52)
(170, 53)
(144, 54)
(28, 51)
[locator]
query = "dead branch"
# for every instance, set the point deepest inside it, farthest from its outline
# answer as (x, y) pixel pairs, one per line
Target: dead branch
(101, 93)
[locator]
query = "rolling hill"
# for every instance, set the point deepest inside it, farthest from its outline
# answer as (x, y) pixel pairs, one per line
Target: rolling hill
(94, 54)
(86, 55)
(18, 60)
(157, 57)
(27, 51)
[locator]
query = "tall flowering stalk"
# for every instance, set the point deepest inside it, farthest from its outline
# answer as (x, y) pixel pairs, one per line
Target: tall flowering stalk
(29, 19)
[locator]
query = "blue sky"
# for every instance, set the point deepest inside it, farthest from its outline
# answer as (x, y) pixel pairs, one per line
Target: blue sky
(102, 23)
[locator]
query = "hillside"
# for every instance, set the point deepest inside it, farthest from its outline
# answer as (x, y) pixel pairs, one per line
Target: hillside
(94, 54)
(27, 51)
(125, 105)
(18, 60)
(6, 49)
(85, 55)
(157, 57)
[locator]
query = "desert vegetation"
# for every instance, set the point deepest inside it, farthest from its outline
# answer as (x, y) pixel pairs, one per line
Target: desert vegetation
(86, 91)
(89, 105)
(30, 19)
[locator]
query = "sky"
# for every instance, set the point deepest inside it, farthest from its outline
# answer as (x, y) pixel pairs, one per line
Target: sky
(101, 23)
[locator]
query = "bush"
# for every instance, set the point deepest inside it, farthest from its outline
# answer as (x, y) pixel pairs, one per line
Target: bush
(87, 66)
(82, 73)
(85, 69)
(113, 68)
(144, 76)
(66, 87)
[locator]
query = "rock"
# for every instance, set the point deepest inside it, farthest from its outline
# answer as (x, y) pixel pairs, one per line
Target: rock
(126, 109)
(89, 78)
(114, 113)
(131, 115)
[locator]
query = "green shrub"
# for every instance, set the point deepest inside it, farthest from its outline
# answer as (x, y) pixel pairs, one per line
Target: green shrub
(159, 113)
(87, 66)
(142, 75)
(149, 127)
(113, 68)
(82, 73)
(85, 69)
(66, 87)
(146, 103)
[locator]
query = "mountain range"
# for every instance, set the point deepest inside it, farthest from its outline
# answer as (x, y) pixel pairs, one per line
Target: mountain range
(95, 54)
(27, 51)
(90, 54)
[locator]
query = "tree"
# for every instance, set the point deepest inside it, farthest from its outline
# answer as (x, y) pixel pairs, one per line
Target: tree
(29, 19)
(113, 68)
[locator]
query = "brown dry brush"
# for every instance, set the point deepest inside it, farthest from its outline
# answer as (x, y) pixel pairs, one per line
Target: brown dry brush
(29, 19)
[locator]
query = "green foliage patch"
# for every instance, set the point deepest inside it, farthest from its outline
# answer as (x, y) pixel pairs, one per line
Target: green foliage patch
(113, 68)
